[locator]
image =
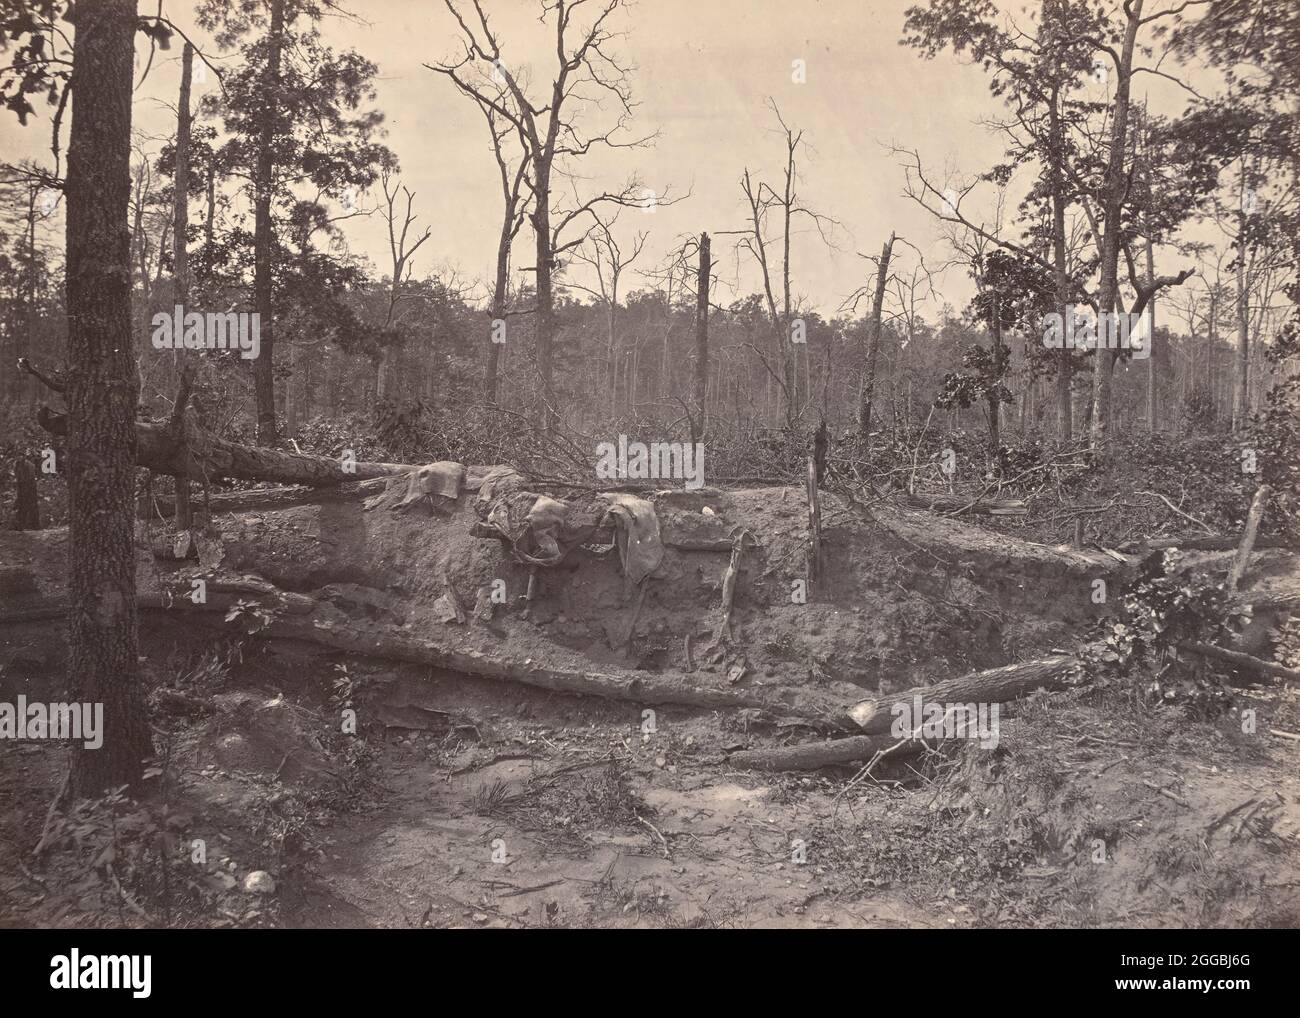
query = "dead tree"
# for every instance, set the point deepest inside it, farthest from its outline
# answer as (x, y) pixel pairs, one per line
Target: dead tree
(585, 67)
(609, 261)
(398, 236)
(180, 261)
(701, 386)
(867, 394)
(514, 208)
(762, 202)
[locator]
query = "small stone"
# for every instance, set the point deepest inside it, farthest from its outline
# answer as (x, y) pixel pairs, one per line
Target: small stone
(660, 761)
(259, 882)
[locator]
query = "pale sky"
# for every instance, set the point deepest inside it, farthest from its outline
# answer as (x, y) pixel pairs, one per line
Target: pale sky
(703, 69)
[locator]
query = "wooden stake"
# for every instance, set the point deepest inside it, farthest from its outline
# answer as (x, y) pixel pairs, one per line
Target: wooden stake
(814, 524)
(1248, 537)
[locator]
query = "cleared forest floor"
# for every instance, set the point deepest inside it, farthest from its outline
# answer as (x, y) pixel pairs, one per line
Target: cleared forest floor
(475, 800)
(537, 809)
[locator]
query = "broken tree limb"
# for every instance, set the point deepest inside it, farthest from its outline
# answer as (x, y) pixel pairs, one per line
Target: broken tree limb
(53, 381)
(995, 685)
(962, 503)
(1245, 662)
(1247, 545)
(202, 456)
(729, 579)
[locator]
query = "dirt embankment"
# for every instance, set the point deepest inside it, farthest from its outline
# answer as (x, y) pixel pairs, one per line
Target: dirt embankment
(467, 802)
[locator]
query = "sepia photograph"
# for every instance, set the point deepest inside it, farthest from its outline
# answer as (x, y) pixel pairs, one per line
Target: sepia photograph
(650, 464)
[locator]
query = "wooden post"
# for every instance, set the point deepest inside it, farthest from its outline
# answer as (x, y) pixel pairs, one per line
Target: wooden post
(1247, 545)
(702, 333)
(814, 524)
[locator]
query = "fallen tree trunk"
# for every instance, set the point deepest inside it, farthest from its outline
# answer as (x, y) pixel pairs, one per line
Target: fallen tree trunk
(204, 457)
(810, 756)
(1243, 661)
(876, 717)
(996, 685)
(277, 498)
(636, 687)
(299, 617)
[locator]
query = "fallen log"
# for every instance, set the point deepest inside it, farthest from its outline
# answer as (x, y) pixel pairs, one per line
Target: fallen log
(810, 756)
(220, 596)
(299, 617)
(1246, 662)
(995, 685)
(201, 456)
(271, 499)
(637, 687)
(876, 717)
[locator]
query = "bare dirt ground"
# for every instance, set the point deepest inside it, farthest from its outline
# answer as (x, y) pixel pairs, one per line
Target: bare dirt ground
(474, 802)
(522, 809)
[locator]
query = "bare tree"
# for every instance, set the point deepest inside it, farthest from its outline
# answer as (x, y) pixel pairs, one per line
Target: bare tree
(701, 386)
(399, 222)
(764, 202)
(514, 207)
(586, 71)
(868, 388)
(609, 261)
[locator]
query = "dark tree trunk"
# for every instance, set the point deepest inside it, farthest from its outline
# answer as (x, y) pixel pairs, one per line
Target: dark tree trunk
(209, 220)
(102, 391)
(180, 256)
(1116, 187)
(545, 316)
(701, 331)
(995, 404)
(1061, 277)
(1153, 377)
(873, 341)
(263, 238)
